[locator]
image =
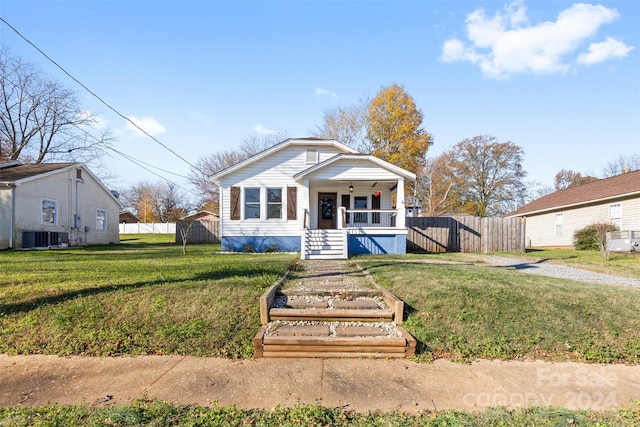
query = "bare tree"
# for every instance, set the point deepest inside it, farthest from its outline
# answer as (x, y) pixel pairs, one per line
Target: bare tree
(184, 227)
(41, 120)
(622, 164)
(433, 188)
(568, 178)
(487, 176)
(210, 164)
(156, 202)
(348, 125)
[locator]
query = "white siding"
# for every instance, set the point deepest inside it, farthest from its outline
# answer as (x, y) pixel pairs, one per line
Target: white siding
(541, 228)
(353, 170)
(61, 187)
(5, 216)
(274, 171)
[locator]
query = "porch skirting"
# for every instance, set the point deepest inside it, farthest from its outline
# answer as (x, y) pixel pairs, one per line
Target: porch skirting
(358, 242)
(261, 243)
(377, 244)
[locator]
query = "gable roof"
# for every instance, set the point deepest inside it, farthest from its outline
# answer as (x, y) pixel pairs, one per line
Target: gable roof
(284, 144)
(601, 190)
(15, 173)
(339, 157)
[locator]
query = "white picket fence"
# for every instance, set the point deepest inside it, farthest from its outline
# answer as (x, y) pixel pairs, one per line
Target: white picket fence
(148, 228)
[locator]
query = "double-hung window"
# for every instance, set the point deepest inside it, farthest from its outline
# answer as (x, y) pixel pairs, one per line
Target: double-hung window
(274, 203)
(252, 203)
(101, 219)
(559, 223)
(49, 212)
(615, 215)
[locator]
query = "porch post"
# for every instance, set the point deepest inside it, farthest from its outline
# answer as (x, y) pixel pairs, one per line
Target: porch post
(400, 209)
(306, 218)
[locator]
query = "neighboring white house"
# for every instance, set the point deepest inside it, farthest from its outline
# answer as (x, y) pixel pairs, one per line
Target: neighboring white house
(315, 196)
(55, 204)
(552, 219)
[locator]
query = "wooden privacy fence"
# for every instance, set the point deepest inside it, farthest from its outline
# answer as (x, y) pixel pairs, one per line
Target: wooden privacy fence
(200, 231)
(465, 234)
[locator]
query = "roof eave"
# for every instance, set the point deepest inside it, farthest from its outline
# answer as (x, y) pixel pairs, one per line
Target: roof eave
(573, 205)
(384, 164)
(215, 178)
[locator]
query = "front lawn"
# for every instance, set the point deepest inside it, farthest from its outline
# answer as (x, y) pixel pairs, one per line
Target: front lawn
(471, 311)
(142, 296)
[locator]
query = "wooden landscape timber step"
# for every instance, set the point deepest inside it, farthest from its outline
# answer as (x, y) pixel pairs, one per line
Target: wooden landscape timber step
(314, 344)
(331, 314)
(327, 316)
(343, 311)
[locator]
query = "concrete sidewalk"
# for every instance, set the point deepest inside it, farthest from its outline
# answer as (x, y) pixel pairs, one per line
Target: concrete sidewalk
(353, 384)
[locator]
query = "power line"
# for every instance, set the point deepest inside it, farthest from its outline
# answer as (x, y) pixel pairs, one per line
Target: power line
(95, 95)
(138, 162)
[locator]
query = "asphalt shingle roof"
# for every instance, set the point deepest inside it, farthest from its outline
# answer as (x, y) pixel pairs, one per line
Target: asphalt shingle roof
(18, 172)
(619, 185)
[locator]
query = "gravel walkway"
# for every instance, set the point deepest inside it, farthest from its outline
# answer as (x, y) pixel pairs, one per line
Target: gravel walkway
(559, 271)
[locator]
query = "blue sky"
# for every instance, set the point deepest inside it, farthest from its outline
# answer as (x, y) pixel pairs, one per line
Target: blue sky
(560, 79)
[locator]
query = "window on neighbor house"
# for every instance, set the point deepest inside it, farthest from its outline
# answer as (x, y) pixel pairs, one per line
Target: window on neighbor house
(49, 212)
(559, 223)
(274, 203)
(101, 219)
(615, 215)
(312, 155)
(251, 203)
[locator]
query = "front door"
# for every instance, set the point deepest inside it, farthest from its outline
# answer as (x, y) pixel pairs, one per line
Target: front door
(327, 210)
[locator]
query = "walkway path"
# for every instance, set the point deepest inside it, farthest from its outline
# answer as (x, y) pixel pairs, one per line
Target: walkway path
(355, 384)
(543, 268)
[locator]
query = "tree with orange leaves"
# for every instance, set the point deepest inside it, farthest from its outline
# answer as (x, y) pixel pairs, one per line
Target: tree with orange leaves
(394, 129)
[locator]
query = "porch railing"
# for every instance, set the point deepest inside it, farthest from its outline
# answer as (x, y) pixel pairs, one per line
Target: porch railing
(369, 218)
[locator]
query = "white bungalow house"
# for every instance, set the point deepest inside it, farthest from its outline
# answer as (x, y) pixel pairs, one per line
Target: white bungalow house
(553, 219)
(315, 196)
(55, 204)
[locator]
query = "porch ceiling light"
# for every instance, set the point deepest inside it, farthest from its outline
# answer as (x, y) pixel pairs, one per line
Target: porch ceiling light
(351, 188)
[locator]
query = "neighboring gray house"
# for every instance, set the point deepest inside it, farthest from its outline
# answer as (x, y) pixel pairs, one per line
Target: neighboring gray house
(55, 204)
(552, 219)
(315, 196)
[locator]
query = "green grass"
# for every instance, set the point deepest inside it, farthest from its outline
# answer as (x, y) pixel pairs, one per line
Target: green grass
(465, 312)
(158, 413)
(142, 296)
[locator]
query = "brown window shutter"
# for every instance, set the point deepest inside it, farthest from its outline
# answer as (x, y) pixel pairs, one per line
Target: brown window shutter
(292, 202)
(235, 203)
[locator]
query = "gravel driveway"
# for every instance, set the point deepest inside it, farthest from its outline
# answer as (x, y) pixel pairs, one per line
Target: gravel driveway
(559, 271)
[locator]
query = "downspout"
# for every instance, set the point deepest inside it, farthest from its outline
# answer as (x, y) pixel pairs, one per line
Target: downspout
(12, 214)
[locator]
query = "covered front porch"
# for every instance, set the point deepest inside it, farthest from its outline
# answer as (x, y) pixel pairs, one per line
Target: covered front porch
(345, 218)
(353, 204)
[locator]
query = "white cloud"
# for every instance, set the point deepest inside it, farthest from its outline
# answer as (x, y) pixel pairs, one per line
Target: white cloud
(149, 124)
(600, 52)
(507, 44)
(259, 129)
(322, 92)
